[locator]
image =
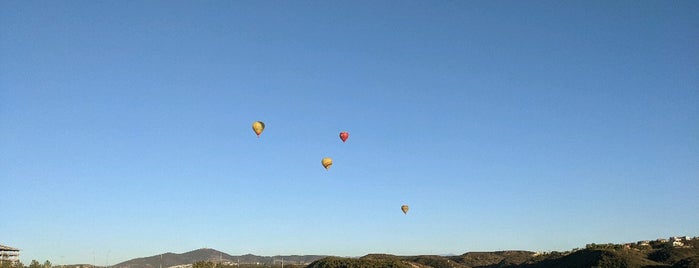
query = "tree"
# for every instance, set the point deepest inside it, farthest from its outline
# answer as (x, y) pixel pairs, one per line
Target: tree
(35, 264)
(47, 264)
(203, 264)
(6, 264)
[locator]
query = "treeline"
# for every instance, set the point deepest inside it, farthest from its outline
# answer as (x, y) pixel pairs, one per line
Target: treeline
(19, 264)
(647, 245)
(208, 264)
(335, 262)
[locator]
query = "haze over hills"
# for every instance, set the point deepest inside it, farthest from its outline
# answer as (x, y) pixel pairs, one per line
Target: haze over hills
(211, 255)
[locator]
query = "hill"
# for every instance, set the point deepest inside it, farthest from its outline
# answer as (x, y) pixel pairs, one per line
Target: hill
(674, 253)
(210, 255)
(494, 259)
(334, 262)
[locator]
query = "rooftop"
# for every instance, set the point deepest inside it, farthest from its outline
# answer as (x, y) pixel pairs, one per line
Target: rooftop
(6, 248)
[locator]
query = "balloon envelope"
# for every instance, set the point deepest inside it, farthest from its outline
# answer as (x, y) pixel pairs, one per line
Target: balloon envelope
(258, 127)
(344, 135)
(327, 162)
(404, 208)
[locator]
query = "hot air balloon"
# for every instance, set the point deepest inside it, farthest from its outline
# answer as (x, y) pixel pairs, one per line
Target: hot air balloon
(404, 208)
(327, 162)
(258, 127)
(344, 135)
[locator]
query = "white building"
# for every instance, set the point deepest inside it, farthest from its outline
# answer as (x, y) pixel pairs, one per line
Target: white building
(9, 254)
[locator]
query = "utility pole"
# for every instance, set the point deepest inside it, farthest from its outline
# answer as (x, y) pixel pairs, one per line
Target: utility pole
(275, 261)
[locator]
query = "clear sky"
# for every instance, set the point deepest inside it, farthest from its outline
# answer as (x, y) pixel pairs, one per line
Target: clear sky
(125, 126)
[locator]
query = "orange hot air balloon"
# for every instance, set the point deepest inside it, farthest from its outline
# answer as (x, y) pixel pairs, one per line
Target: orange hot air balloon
(404, 208)
(327, 162)
(258, 127)
(344, 135)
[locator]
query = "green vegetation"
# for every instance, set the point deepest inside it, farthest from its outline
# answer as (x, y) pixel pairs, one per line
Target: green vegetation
(11, 265)
(335, 262)
(691, 262)
(668, 253)
(677, 253)
(208, 264)
(497, 259)
(433, 261)
(596, 258)
(33, 264)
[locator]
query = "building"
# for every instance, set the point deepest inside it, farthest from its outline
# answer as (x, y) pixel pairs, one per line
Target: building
(679, 238)
(9, 254)
(643, 243)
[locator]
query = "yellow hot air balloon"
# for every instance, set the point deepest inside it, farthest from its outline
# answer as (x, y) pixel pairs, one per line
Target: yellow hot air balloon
(258, 127)
(327, 162)
(404, 208)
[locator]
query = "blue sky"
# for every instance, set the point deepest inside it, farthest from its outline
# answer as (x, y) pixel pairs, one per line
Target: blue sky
(125, 126)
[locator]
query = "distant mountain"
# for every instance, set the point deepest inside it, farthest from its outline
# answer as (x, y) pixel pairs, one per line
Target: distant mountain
(212, 255)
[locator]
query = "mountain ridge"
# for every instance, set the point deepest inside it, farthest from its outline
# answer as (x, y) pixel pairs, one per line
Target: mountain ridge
(170, 259)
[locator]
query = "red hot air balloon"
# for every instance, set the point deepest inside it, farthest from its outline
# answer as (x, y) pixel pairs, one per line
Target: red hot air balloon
(344, 135)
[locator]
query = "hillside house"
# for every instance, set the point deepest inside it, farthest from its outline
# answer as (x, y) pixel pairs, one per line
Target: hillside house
(9, 254)
(680, 238)
(679, 241)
